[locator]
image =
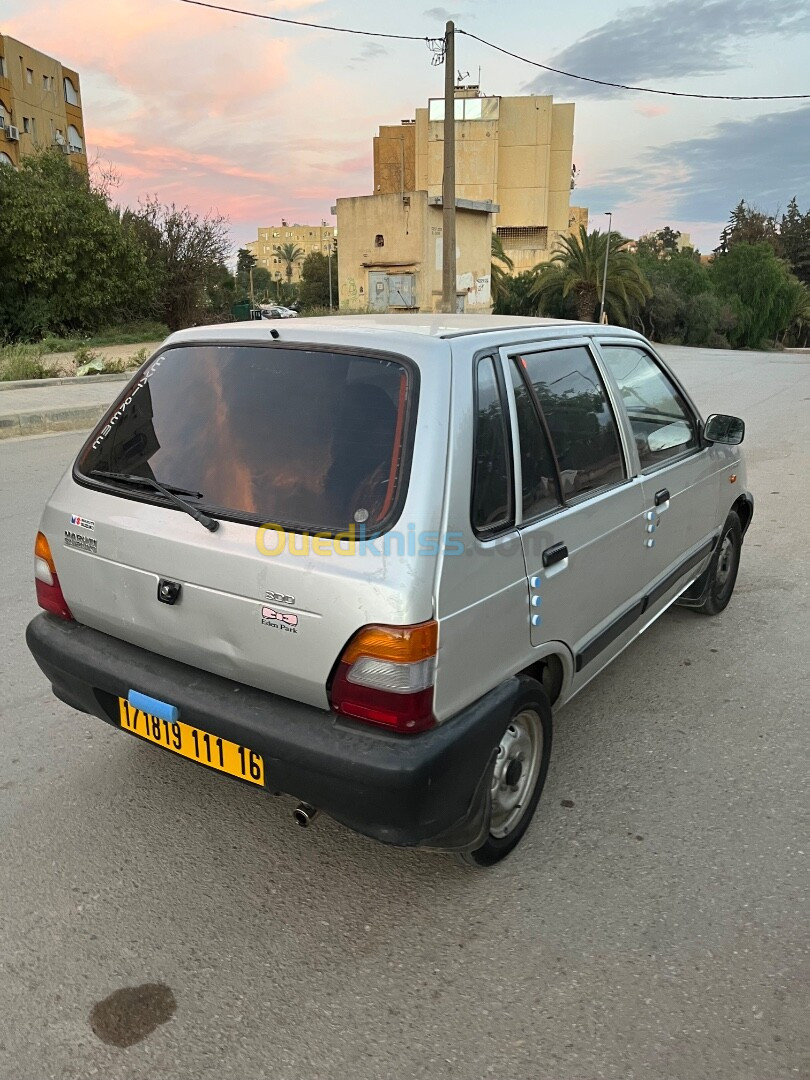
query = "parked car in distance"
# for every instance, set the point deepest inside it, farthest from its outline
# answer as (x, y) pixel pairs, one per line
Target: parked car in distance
(361, 560)
(278, 311)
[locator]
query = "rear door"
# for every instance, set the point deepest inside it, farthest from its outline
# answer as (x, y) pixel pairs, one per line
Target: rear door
(583, 525)
(302, 455)
(679, 478)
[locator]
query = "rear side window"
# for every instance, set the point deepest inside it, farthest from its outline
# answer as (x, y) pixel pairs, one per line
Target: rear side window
(579, 417)
(663, 426)
(539, 476)
(307, 439)
(492, 470)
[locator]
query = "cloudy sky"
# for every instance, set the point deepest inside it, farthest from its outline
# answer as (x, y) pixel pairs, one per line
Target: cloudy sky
(259, 120)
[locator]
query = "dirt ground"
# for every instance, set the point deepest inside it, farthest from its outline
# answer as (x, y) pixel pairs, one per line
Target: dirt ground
(65, 362)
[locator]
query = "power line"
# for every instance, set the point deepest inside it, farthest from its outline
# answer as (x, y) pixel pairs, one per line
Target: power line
(308, 25)
(436, 45)
(637, 89)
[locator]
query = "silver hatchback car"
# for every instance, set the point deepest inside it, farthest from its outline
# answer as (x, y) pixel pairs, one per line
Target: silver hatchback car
(360, 560)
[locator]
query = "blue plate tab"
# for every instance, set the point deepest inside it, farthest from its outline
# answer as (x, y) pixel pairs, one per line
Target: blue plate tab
(161, 709)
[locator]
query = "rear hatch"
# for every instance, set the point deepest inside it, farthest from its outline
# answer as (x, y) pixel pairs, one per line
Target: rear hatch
(302, 455)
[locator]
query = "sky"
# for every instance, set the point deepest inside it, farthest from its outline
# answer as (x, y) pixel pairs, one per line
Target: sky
(258, 120)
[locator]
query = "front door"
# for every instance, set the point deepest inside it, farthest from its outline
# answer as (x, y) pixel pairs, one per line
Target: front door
(583, 525)
(679, 477)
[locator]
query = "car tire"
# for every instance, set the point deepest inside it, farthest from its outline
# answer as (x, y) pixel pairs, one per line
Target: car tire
(723, 567)
(518, 775)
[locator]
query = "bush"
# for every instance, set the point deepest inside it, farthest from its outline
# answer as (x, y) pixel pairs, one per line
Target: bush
(22, 362)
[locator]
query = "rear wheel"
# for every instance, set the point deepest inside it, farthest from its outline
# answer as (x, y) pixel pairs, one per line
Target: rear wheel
(723, 567)
(518, 774)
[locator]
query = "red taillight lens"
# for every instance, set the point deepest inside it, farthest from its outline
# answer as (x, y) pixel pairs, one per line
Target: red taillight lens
(49, 591)
(385, 676)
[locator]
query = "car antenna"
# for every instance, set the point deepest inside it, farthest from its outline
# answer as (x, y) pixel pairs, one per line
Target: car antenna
(274, 333)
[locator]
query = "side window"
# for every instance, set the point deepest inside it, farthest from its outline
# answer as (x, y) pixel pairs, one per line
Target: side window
(580, 420)
(663, 426)
(492, 466)
(539, 475)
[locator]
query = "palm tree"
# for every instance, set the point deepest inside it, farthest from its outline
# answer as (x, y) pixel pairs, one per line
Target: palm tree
(289, 255)
(577, 267)
(502, 267)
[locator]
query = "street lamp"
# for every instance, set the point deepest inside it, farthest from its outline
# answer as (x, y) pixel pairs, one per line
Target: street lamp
(604, 274)
(329, 257)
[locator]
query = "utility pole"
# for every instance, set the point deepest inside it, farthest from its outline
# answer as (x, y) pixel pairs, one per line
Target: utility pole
(252, 300)
(329, 258)
(604, 274)
(449, 177)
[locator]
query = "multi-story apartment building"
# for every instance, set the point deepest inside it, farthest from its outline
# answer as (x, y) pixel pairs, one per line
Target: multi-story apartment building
(40, 104)
(306, 238)
(515, 152)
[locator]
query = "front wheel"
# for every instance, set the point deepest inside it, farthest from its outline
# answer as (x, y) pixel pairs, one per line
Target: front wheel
(518, 774)
(723, 567)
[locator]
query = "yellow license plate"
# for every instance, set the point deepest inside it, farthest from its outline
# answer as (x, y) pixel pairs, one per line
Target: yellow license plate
(193, 743)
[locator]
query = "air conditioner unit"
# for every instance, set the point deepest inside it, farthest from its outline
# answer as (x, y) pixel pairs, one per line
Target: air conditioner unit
(64, 147)
(12, 133)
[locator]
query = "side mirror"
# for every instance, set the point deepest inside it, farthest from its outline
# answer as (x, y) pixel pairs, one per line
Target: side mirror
(720, 428)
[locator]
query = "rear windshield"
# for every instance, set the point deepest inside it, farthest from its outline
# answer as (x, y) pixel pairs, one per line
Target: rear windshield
(309, 439)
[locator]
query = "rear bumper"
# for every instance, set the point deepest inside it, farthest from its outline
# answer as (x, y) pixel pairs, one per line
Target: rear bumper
(428, 790)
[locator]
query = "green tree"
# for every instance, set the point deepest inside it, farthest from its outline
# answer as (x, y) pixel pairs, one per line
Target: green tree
(67, 265)
(314, 290)
(749, 225)
(186, 251)
(576, 270)
(262, 281)
(662, 244)
(245, 261)
(501, 270)
(517, 297)
(794, 231)
(289, 255)
(760, 289)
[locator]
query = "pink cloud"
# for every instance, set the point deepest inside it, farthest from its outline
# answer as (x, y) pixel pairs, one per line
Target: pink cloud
(652, 110)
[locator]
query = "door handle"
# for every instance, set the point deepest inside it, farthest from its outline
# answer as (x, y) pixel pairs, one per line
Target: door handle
(661, 496)
(554, 554)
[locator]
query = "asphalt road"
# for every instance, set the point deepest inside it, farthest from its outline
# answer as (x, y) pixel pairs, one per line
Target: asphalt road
(653, 923)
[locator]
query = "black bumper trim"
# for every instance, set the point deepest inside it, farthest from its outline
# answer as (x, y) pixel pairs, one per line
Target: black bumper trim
(424, 790)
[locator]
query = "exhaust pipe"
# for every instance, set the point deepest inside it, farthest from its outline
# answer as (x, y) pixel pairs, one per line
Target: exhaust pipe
(304, 814)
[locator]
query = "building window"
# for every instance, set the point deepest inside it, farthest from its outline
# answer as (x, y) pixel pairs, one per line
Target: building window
(29, 76)
(276, 234)
(379, 240)
(3, 74)
(75, 140)
(521, 238)
(26, 125)
(34, 128)
(71, 96)
(47, 82)
(5, 159)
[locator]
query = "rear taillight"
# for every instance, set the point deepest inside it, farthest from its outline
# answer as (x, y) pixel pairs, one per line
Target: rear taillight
(385, 676)
(49, 591)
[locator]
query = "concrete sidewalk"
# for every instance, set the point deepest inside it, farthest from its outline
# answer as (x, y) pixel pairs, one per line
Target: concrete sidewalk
(35, 407)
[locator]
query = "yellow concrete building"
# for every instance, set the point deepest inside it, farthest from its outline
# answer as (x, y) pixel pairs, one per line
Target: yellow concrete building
(308, 238)
(40, 105)
(391, 253)
(513, 151)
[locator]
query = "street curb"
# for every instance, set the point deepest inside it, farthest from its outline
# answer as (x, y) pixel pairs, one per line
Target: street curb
(42, 421)
(67, 380)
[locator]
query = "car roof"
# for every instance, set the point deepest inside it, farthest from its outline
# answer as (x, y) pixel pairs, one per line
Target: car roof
(398, 329)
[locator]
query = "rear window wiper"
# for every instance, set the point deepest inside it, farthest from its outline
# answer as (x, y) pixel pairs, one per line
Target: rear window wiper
(168, 491)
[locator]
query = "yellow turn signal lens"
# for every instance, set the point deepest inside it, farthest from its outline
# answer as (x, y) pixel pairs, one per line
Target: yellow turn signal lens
(402, 644)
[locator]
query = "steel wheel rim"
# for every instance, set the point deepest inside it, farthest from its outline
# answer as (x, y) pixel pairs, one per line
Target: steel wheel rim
(517, 768)
(725, 561)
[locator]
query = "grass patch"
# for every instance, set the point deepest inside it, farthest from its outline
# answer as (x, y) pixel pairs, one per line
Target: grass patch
(127, 334)
(23, 362)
